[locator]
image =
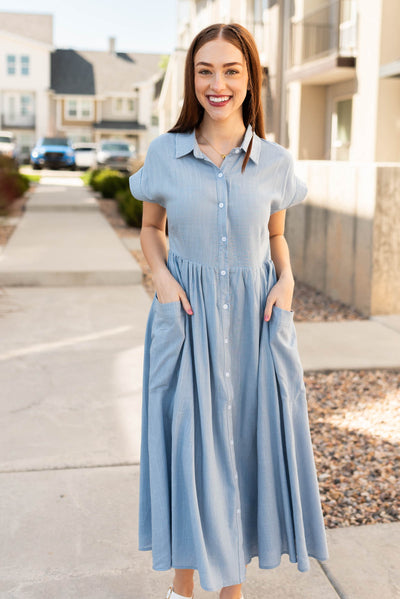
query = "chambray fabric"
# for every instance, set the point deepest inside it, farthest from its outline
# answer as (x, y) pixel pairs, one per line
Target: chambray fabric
(227, 469)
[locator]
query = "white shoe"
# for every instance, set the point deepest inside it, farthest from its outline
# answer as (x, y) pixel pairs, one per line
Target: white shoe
(172, 595)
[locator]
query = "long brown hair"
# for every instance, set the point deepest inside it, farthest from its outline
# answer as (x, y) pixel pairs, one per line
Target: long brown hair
(192, 111)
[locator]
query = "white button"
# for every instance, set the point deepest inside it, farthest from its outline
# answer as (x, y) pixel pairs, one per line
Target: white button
(225, 306)
(220, 174)
(231, 441)
(229, 406)
(227, 374)
(223, 238)
(238, 511)
(223, 272)
(236, 476)
(226, 339)
(237, 151)
(220, 204)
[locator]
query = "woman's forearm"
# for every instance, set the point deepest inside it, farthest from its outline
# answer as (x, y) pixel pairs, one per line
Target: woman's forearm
(153, 242)
(280, 256)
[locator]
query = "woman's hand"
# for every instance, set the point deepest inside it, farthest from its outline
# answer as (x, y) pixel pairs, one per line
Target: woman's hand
(169, 290)
(280, 294)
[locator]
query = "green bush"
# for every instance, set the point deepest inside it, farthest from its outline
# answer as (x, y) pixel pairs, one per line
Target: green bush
(13, 185)
(108, 182)
(90, 177)
(130, 208)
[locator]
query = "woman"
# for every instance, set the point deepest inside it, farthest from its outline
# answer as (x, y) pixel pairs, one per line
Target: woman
(227, 468)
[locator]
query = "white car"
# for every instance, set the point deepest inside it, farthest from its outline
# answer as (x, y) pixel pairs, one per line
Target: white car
(115, 154)
(85, 155)
(9, 146)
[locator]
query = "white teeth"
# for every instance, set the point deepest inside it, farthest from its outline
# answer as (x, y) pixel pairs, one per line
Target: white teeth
(219, 99)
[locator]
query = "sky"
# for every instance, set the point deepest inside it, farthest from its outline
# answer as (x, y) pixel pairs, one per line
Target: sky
(137, 25)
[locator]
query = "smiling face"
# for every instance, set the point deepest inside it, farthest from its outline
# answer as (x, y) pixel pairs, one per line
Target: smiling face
(220, 80)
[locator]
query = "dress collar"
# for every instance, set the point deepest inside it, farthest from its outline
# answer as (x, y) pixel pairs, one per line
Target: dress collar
(187, 142)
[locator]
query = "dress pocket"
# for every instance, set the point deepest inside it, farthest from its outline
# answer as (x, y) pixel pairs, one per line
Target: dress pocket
(281, 315)
(168, 335)
(285, 354)
(167, 313)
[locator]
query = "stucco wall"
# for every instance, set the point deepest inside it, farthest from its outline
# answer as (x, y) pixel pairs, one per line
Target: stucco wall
(344, 238)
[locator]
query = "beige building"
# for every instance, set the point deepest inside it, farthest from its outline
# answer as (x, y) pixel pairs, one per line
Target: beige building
(26, 44)
(331, 95)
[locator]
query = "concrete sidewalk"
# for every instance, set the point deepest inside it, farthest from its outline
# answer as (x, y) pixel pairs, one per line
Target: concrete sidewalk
(63, 239)
(70, 377)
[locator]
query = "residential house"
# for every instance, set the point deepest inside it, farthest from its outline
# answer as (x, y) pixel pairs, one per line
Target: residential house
(26, 43)
(84, 95)
(99, 95)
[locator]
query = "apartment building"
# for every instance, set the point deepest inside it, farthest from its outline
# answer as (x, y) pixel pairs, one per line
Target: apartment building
(331, 72)
(26, 43)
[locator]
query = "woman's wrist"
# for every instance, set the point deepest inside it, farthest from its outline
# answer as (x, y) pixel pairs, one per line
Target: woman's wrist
(286, 275)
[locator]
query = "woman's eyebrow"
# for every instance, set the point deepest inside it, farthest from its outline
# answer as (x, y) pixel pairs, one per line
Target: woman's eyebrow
(227, 64)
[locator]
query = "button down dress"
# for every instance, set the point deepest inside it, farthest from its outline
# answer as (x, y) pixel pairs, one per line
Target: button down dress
(227, 469)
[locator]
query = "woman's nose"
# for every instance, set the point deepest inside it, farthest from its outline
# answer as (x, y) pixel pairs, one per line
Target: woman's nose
(218, 82)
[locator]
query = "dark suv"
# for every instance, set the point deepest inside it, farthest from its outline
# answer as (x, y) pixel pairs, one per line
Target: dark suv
(53, 152)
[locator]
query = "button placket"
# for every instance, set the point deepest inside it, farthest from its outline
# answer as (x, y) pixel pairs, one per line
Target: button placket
(224, 302)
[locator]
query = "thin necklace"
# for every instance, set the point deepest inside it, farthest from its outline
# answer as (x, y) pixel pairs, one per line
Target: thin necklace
(218, 152)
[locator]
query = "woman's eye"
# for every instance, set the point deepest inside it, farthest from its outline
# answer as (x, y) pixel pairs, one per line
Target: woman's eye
(230, 71)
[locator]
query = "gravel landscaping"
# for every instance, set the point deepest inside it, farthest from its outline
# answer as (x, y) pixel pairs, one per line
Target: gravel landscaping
(355, 427)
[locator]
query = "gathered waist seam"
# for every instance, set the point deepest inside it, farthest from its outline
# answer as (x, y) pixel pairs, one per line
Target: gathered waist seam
(172, 254)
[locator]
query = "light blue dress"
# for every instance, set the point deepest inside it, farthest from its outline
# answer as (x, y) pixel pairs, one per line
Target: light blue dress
(227, 469)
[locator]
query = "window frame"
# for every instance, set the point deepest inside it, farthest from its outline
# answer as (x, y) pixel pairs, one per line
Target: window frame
(80, 108)
(9, 66)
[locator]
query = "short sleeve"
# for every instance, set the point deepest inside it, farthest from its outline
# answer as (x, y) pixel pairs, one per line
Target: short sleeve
(143, 183)
(293, 192)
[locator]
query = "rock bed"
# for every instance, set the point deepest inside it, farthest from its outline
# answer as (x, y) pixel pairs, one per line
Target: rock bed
(355, 428)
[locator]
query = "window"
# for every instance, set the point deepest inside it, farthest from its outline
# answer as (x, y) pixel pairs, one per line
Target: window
(341, 129)
(125, 106)
(72, 109)
(24, 65)
(86, 109)
(11, 61)
(26, 105)
(79, 109)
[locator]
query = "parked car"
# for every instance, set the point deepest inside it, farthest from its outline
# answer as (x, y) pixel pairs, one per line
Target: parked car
(85, 154)
(53, 152)
(9, 146)
(114, 154)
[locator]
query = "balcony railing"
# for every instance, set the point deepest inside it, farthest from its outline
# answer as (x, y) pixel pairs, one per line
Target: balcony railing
(17, 120)
(331, 28)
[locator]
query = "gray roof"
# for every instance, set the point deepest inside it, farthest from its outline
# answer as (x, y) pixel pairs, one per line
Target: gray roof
(36, 27)
(96, 72)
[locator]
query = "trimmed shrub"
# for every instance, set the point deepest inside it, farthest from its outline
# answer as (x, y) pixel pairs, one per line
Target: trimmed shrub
(90, 177)
(13, 185)
(130, 208)
(108, 182)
